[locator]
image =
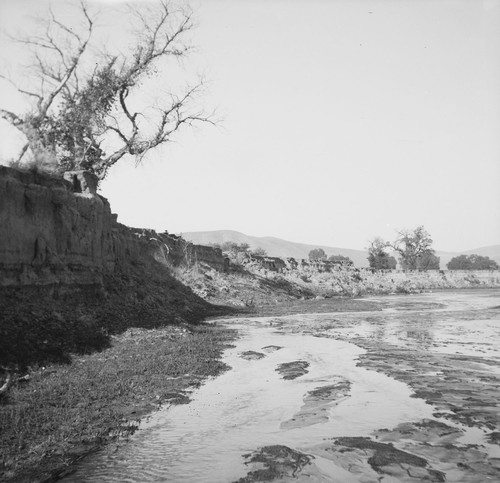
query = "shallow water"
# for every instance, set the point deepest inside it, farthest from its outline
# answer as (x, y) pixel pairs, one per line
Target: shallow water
(252, 406)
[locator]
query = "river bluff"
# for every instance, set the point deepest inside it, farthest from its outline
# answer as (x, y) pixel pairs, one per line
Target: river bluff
(61, 235)
(71, 275)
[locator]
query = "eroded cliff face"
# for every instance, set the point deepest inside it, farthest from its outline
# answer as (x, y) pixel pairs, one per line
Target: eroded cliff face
(50, 234)
(71, 275)
(60, 233)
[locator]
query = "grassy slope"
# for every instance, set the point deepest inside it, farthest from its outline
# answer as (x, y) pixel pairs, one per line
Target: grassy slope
(66, 411)
(77, 397)
(36, 328)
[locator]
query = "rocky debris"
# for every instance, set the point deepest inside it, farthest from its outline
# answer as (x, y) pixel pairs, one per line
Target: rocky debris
(292, 370)
(252, 355)
(275, 462)
(318, 403)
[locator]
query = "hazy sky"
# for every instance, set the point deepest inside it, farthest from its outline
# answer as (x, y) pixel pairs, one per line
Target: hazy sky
(342, 120)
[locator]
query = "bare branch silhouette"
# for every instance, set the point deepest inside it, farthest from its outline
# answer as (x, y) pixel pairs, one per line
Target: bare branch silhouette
(75, 108)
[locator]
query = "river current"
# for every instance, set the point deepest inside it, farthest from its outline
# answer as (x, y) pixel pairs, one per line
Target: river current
(253, 405)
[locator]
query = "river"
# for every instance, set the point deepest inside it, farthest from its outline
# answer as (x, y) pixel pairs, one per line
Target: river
(407, 392)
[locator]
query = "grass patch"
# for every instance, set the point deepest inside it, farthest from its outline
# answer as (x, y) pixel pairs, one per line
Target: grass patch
(66, 411)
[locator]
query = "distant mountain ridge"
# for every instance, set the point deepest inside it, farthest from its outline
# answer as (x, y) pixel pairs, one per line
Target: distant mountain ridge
(277, 247)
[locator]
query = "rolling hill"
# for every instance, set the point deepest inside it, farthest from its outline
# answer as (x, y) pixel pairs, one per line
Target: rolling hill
(276, 247)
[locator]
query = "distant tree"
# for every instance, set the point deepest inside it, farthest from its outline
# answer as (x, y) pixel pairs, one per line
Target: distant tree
(472, 262)
(317, 254)
(378, 257)
(412, 246)
(260, 252)
(340, 259)
(428, 261)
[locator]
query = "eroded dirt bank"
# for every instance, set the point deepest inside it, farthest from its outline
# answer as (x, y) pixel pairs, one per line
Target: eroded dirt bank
(404, 391)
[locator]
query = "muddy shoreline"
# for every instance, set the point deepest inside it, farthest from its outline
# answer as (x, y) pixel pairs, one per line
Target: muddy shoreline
(64, 413)
(401, 388)
(404, 391)
(458, 442)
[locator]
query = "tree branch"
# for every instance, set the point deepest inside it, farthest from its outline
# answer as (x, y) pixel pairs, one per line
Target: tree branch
(22, 91)
(12, 118)
(76, 107)
(23, 152)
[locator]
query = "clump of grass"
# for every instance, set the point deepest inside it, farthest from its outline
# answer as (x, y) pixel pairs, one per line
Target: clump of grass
(65, 411)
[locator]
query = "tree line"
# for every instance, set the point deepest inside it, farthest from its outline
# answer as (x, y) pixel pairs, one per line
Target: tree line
(318, 254)
(415, 251)
(413, 247)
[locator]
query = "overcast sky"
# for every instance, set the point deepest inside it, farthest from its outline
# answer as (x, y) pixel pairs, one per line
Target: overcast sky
(342, 120)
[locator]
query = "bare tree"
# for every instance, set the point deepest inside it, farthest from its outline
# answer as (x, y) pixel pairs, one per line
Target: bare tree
(82, 113)
(414, 246)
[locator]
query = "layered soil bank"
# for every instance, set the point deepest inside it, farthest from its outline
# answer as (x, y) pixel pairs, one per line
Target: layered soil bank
(70, 274)
(60, 234)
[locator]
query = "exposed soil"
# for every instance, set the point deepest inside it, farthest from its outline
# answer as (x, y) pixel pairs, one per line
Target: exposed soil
(252, 355)
(317, 404)
(278, 462)
(292, 370)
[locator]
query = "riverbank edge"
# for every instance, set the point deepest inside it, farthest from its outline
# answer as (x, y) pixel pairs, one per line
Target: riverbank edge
(65, 412)
(124, 414)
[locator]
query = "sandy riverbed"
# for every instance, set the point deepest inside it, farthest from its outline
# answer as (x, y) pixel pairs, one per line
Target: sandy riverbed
(408, 392)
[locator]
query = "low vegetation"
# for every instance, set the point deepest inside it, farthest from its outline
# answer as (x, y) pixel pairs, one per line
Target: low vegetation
(414, 248)
(65, 411)
(472, 262)
(38, 329)
(83, 364)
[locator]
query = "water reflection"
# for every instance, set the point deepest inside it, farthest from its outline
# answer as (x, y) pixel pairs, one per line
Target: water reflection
(246, 408)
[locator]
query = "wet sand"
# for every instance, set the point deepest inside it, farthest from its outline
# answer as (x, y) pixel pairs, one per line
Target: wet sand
(408, 392)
